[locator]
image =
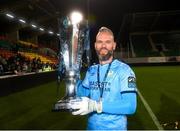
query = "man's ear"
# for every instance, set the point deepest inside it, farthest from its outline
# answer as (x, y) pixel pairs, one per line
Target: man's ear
(114, 46)
(95, 45)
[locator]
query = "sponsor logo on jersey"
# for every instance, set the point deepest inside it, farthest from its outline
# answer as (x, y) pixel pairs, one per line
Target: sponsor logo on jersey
(104, 85)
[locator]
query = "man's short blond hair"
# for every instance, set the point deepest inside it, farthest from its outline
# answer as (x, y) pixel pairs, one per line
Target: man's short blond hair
(105, 29)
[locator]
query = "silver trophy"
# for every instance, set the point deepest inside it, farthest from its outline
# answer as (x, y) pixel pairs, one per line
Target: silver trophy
(72, 36)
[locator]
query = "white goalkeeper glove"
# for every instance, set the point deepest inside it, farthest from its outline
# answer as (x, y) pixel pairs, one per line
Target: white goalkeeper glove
(84, 106)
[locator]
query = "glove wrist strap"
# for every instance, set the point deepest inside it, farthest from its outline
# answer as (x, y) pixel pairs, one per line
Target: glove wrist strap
(99, 106)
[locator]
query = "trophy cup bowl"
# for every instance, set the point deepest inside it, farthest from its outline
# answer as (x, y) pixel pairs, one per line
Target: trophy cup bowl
(71, 44)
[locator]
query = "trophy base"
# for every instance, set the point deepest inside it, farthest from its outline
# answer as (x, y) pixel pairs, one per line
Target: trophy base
(63, 106)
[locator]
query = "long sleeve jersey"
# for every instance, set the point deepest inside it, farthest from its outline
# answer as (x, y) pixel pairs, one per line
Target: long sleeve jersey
(117, 87)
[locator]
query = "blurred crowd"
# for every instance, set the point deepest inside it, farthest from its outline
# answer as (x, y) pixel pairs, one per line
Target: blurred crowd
(19, 64)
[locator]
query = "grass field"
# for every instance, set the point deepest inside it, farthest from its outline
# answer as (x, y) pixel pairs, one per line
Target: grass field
(31, 108)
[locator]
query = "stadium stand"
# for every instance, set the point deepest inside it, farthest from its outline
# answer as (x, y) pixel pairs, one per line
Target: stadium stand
(169, 43)
(31, 56)
(6, 45)
(142, 46)
(150, 34)
(6, 53)
(23, 57)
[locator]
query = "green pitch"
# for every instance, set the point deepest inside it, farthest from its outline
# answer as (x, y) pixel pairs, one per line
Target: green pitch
(31, 109)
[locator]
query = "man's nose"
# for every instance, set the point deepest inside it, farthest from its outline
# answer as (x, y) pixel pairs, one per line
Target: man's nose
(103, 44)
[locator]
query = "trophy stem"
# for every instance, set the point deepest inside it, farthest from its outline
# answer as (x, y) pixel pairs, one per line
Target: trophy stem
(70, 80)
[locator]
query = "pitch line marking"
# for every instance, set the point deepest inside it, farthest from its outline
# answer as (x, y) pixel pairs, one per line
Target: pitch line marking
(148, 108)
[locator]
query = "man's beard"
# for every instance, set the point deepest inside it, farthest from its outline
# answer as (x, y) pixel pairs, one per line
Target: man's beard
(106, 56)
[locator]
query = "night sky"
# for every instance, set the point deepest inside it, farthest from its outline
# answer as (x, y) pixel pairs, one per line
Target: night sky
(110, 12)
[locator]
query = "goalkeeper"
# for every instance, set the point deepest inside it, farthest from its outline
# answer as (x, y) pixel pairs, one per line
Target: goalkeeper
(108, 92)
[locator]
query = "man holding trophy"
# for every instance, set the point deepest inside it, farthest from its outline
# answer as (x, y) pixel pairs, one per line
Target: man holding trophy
(108, 92)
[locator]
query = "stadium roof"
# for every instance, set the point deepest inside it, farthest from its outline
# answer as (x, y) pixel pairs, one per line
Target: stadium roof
(149, 22)
(165, 23)
(45, 13)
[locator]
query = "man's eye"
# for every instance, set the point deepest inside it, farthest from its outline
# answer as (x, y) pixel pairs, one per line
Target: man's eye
(99, 42)
(108, 42)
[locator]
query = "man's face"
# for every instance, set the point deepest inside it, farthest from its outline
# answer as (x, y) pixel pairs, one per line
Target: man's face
(104, 45)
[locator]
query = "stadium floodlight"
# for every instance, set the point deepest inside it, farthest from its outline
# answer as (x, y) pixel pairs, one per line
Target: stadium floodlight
(41, 29)
(10, 15)
(76, 17)
(50, 32)
(22, 21)
(34, 26)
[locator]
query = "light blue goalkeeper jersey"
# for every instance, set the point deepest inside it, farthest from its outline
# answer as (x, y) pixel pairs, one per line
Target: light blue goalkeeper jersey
(118, 95)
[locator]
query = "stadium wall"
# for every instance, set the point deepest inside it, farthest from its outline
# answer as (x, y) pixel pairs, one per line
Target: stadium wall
(153, 61)
(15, 83)
(148, 61)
